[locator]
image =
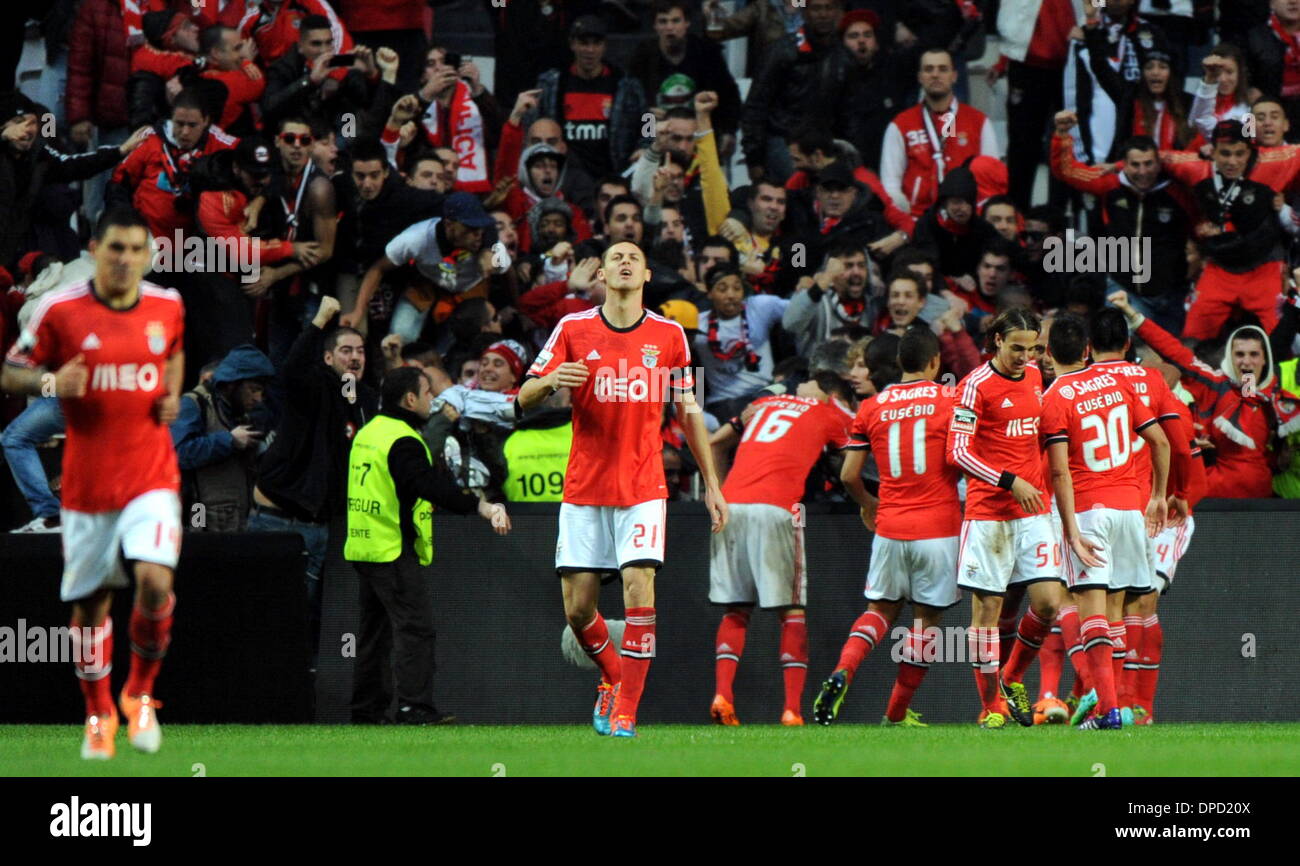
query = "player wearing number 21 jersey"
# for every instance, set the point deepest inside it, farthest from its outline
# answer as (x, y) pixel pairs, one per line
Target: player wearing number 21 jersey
(622, 364)
(759, 557)
(916, 522)
(116, 344)
(1089, 418)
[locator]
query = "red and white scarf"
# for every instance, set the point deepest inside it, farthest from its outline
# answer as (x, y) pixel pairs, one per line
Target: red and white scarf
(465, 136)
(1165, 127)
(1291, 61)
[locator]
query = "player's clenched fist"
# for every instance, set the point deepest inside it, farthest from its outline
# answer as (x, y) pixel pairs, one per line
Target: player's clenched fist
(167, 409)
(72, 378)
(328, 307)
(571, 374)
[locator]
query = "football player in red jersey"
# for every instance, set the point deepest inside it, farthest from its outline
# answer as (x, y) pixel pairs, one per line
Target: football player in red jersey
(760, 557)
(1089, 417)
(622, 363)
(1007, 536)
(115, 342)
(916, 521)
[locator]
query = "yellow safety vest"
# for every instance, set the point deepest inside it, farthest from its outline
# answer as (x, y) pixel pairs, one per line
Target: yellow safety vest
(536, 460)
(374, 524)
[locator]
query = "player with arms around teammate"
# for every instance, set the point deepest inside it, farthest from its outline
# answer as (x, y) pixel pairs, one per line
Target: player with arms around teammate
(1007, 536)
(759, 557)
(622, 363)
(916, 522)
(1089, 417)
(115, 342)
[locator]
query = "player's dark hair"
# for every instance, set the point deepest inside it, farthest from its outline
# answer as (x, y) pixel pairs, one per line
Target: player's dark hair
(333, 337)
(720, 241)
(1107, 330)
(422, 352)
(1140, 143)
(1011, 319)
(834, 386)
(916, 348)
(911, 276)
(210, 37)
(191, 98)
(881, 358)
(622, 199)
(314, 22)
(124, 216)
(663, 7)
(813, 138)
(1068, 339)
(844, 248)
(291, 118)
(1046, 213)
(399, 382)
(369, 150)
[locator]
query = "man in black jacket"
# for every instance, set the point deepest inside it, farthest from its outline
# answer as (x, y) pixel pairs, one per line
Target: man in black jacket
(787, 95)
(301, 82)
(28, 163)
(302, 474)
(872, 86)
(1273, 59)
(390, 549)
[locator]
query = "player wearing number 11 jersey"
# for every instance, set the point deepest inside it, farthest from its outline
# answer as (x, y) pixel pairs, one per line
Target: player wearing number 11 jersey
(116, 344)
(1089, 417)
(759, 557)
(915, 521)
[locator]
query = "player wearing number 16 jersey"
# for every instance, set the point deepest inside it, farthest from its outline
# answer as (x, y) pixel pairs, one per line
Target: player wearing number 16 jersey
(759, 557)
(116, 343)
(916, 521)
(1089, 417)
(1007, 536)
(622, 364)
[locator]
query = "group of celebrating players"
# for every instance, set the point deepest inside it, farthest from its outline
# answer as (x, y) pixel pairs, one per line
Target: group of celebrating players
(1108, 431)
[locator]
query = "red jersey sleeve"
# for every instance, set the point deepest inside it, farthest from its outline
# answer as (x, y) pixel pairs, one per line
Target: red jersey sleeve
(964, 425)
(859, 438)
(838, 423)
(1055, 425)
(682, 377)
(553, 354)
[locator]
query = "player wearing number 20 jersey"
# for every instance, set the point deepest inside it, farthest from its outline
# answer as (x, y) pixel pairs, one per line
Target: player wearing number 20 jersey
(759, 557)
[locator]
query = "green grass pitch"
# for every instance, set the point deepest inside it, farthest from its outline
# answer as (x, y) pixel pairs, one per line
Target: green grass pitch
(667, 750)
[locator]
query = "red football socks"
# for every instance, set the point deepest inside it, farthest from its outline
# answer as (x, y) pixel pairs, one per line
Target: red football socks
(1073, 643)
(595, 642)
(1097, 644)
(1119, 649)
(92, 657)
(868, 631)
(1029, 639)
(151, 632)
(984, 649)
(1153, 641)
(637, 650)
(1051, 659)
(1134, 634)
(794, 659)
(911, 670)
(727, 651)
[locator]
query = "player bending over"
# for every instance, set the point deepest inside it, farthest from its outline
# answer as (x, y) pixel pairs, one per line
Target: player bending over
(115, 342)
(622, 363)
(1007, 536)
(915, 521)
(1089, 417)
(759, 557)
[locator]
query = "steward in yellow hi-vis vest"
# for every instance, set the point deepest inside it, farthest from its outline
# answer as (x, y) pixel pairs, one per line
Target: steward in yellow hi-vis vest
(537, 456)
(393, 485)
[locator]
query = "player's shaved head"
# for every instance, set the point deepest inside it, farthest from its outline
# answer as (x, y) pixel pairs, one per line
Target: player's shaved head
(917, 348)
(121, 216)
(1068, 340)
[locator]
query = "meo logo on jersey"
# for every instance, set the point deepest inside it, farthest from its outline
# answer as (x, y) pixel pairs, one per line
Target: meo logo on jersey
(1022, 427)
(124, 377)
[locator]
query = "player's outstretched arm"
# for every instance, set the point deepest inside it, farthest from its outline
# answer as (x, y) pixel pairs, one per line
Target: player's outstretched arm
(70, 381)
(1088, 551)
(697, 437)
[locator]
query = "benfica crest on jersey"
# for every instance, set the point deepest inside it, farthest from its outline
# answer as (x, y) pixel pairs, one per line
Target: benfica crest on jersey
(649, 356)
(156, 333)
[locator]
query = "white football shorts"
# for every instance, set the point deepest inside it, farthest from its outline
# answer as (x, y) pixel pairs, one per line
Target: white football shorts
(758, 557)
(147, 529)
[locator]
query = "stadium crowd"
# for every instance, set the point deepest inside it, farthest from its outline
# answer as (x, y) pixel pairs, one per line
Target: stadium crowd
(404, 213)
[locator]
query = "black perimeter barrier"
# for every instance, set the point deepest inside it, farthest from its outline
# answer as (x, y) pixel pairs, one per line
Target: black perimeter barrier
(239, 653)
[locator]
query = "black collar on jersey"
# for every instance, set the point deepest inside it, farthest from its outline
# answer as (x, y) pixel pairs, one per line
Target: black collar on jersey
(94, 294)
(995, 369)
(741, 345)
(631, 327)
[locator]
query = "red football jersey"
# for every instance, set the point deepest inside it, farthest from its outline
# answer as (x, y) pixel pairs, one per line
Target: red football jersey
(115, 449)
(1097, 414)
(1151, 388)
(617, 455)
(994, 430)
(906, 427)
(780, 445)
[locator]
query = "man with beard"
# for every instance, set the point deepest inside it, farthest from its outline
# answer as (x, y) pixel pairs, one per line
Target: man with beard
(872, 85)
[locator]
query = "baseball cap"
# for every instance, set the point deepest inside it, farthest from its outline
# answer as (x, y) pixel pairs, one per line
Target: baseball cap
(253, 155)
(837, 172)
(1230, 130)
(463, 208)
(588, 26)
